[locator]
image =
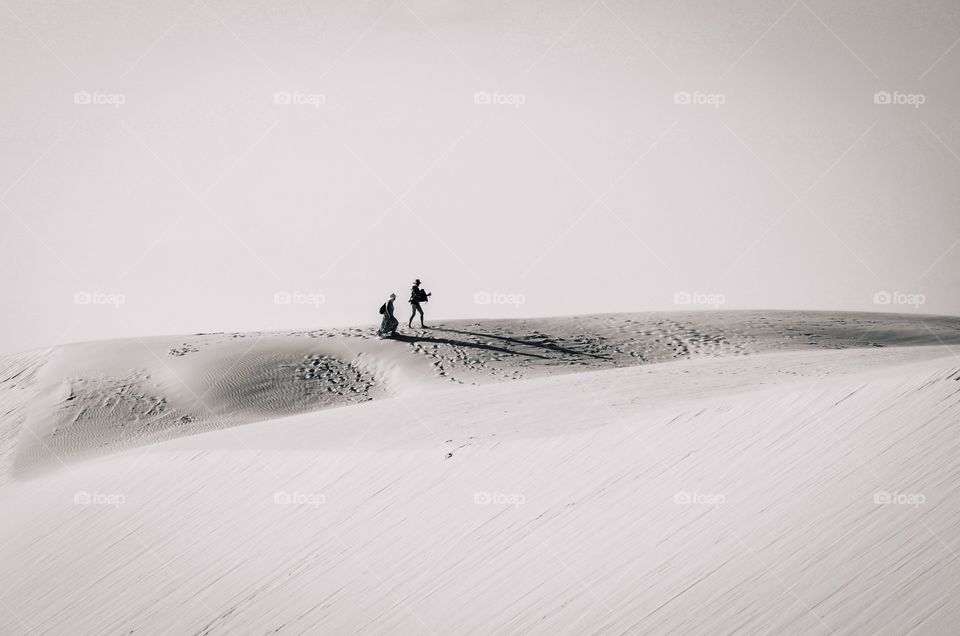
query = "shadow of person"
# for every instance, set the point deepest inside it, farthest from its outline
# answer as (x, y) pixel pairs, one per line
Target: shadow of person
(526, 343)
(463, 343)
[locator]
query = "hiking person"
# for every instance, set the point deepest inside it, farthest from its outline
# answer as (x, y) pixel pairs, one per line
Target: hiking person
(417, 296)
(389, 323)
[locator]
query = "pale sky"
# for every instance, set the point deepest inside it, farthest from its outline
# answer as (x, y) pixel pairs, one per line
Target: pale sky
(186, 192)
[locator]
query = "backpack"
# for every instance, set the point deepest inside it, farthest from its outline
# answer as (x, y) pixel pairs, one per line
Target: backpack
(422, 296)
(383, 308)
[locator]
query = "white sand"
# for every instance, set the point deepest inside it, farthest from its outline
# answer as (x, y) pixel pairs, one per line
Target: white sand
(501, 477)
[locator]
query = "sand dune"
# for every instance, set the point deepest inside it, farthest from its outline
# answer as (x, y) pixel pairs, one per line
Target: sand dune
(785, 472)
(100, 397)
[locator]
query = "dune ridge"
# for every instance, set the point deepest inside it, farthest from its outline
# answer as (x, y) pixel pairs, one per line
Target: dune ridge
(95, 398)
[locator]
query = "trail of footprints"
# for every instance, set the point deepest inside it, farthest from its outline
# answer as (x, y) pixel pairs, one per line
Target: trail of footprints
(325, 375)
(533, 352)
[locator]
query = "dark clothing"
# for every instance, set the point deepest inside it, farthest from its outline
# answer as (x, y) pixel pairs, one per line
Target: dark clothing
(415, 297)
(389, 324)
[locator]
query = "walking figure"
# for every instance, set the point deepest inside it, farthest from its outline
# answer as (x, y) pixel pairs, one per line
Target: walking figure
(417, 296)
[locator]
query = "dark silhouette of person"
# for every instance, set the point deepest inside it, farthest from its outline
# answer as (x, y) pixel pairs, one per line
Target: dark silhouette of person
(417, 296)
(388, 324)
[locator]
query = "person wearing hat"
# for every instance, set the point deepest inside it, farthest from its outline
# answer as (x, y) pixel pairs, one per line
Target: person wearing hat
(388, 324)
(417, 296)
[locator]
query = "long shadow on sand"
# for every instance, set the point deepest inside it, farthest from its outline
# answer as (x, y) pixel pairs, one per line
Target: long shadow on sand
(462, 343)
(525, 343)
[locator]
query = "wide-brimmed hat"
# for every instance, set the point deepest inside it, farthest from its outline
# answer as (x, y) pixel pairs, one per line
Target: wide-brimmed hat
(416, 282)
